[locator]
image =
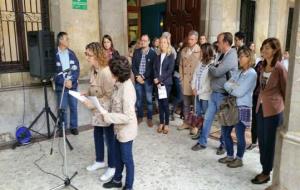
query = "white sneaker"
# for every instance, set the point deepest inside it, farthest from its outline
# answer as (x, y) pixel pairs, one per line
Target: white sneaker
(108, 175)
(95, 166)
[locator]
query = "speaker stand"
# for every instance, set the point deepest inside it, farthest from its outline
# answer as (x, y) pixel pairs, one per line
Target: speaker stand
(46, 110)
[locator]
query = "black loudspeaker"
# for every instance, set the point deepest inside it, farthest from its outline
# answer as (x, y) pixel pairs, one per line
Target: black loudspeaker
(41, 51)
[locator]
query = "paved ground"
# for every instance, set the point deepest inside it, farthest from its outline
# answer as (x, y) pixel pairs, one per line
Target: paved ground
(163, 162)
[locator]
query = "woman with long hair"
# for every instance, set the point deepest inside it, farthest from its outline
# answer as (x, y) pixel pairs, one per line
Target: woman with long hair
(101, 86)
(108, 46)
(270, 105)
(163, 70)
(201, 84)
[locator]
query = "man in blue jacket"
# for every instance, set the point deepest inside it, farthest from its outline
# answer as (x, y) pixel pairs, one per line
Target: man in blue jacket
(67, 60)
(142, 68)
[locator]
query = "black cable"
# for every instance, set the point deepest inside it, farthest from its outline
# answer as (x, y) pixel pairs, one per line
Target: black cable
(41, 169)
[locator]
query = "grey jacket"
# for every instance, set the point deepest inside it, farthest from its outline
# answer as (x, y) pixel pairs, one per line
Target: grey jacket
(218, 70)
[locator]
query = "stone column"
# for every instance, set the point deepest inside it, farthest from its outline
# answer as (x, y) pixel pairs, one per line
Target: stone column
(278, 19)
(82, 27)
(113, 21)
(286, 173)
(261, 24)
(223, 17)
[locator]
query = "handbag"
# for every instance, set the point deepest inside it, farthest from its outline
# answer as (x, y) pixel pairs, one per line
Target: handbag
(192, 118)
(228, 114)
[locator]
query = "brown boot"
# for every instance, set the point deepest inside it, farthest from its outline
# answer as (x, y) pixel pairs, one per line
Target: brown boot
(149, 123)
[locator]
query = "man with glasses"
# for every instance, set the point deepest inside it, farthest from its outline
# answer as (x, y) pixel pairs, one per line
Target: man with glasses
(142, 68)
(66, 60)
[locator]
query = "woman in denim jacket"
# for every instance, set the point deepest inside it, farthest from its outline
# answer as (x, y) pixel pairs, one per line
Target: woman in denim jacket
(241, 85)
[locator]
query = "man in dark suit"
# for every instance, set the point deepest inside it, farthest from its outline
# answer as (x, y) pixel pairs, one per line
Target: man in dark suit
(142, 68)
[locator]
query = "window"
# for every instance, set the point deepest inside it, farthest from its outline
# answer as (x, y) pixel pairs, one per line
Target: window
(134, 19)
(16, 18)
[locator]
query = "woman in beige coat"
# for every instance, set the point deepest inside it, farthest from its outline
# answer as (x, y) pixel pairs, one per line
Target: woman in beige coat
(122, 114)
(101, 86)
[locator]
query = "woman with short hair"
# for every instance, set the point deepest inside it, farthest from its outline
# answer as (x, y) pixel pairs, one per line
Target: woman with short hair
(122, 114)
(241, 86)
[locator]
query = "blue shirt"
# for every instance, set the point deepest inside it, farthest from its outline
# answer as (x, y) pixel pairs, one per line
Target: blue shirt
(241, 85)
(64, 58)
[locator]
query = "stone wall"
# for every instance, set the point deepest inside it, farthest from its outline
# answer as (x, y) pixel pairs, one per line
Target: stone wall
(81, 25)
(16, 102)
(223, 17)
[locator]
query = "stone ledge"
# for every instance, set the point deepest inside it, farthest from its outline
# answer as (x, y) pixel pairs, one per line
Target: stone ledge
(293, 137)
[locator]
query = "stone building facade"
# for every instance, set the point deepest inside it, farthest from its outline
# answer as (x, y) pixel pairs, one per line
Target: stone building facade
(21, 94)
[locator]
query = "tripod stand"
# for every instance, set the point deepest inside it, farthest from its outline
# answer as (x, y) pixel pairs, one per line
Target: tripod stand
(60, 120)
(46, 110)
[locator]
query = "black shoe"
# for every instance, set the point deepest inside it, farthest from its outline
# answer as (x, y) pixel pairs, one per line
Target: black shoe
(197, 147)
(258, 181)
(112, 184)
(74, 131)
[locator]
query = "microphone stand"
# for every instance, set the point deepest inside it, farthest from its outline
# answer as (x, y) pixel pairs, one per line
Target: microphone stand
(67, 181)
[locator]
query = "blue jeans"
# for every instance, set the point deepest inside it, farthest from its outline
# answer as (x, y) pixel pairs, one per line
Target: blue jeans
(141, 90)
(108, 132)
(124, 157)
(213, 107)
(241, 142)
(201, 106)
(266, 133)
(163, 105)
(178, 95)
(71, 102)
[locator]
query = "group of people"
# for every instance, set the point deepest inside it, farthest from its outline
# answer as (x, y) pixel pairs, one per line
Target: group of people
(200, 75)
(116, 125)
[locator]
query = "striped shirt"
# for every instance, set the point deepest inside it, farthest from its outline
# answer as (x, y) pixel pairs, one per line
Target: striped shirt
(245, 115)
(199, 75)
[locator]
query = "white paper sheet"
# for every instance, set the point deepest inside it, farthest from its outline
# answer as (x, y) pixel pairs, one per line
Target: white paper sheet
(162, 92)
(77, 95)
(97, 104)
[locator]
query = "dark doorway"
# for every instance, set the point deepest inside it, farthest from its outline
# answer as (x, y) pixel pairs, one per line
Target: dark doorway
(182, 16)
(153, 17)
(247, 16)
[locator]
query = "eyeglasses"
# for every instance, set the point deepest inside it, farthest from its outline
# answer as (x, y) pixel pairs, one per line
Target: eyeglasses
(88, 54)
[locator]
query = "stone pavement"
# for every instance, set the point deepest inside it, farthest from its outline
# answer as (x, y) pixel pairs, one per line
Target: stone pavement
(162, 162)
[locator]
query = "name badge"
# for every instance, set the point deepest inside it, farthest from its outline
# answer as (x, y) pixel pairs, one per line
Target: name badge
(72, 62)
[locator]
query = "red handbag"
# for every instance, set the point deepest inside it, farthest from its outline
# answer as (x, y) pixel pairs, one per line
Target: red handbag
(194, 120)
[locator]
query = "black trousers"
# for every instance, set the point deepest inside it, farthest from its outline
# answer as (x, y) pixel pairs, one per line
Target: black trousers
(254, 123)
(266, 132)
